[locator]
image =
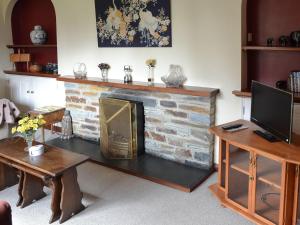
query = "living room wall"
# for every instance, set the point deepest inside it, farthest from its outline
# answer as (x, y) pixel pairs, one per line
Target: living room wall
(206, 43)
(5, 37)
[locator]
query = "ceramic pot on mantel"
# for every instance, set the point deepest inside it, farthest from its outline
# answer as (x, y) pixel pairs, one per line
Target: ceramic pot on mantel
(38, 36)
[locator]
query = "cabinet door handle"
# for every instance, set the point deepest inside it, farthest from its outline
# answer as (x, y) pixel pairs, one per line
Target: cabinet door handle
(251, 178)
(32, 92)
(28, 92)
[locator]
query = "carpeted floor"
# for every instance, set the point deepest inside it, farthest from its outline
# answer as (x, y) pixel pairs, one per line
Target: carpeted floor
(114, 198)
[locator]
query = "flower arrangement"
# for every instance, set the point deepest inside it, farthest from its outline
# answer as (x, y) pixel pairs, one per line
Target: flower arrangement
(104, 66)
(27, 127)
(151, 62)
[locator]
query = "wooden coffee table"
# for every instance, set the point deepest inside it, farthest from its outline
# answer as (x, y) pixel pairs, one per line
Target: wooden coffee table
(56, 168)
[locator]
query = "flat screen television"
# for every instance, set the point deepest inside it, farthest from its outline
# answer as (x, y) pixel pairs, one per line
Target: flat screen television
(272, 110)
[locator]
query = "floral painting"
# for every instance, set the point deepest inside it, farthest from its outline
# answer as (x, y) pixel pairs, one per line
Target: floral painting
(133, 23)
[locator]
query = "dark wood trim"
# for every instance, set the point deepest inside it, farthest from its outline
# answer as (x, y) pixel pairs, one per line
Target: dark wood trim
(32, 46)
(242, 93)
(273, 48)
(143, 86)
(22, 73)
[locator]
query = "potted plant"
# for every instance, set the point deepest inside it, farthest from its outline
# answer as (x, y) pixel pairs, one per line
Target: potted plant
(104, 67)
(27, 126)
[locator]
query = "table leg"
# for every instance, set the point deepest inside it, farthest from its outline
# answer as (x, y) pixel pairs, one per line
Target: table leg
(71, 195)
(43, 134)
(8, 176)
(56, 197)
(32, 189)
(20, 188)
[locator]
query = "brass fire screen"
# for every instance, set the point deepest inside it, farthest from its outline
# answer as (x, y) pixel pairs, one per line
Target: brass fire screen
(121, 128)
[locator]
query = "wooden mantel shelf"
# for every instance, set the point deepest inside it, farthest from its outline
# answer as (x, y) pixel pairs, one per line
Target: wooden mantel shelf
(143, 86)
(21, 73)
(32, 46)
(248, 94)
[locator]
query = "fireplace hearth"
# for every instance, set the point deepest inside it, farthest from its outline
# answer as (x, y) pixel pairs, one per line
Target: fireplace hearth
(121, 128)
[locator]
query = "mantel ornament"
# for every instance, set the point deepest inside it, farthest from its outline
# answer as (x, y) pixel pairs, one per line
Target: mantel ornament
(38, 36)
(175, 77)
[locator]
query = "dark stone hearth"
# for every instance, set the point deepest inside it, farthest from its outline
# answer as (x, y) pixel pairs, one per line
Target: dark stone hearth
(159, 170)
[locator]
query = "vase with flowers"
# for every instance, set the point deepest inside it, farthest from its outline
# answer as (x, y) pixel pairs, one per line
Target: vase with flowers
(27, 127)
(151, 63)
(104, 67)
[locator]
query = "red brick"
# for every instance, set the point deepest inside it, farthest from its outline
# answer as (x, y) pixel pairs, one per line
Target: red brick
(90, 108)
(158, 137)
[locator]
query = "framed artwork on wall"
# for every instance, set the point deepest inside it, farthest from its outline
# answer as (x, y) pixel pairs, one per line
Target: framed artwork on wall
(133, 23)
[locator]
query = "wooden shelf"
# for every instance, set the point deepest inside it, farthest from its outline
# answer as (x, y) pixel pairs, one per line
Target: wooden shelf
(32, 46)
(143, 86)
(248, 94)
(31, 74)
(267, 48)
(239, 161)
(262, 209)
(269, 172)
(242, 93)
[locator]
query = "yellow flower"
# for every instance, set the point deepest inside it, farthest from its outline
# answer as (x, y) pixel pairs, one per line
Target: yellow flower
(13, 130)
(29, 124)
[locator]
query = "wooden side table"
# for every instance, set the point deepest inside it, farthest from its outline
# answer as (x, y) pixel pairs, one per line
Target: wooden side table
(51, 115)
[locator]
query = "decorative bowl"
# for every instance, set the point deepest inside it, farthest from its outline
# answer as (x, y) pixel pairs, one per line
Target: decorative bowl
(175, 77)
(79, 71)
(35, 68)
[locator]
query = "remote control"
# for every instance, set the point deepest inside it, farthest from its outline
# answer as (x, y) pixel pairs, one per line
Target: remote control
(232, 126)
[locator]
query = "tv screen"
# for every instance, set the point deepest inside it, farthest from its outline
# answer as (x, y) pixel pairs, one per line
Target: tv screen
(272, 109)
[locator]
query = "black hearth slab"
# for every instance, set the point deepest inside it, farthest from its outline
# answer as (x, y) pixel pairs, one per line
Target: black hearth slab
(172, 174)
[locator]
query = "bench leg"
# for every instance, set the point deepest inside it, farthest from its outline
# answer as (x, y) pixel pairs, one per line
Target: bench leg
(32, 189)
(20, 188)
(56, 197)
(71, 195)
(8, 176)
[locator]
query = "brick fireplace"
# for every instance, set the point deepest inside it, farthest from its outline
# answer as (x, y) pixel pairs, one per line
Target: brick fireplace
(176, 125)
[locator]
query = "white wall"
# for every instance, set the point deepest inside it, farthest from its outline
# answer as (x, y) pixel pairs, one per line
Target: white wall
(206, 42)
(5, 38)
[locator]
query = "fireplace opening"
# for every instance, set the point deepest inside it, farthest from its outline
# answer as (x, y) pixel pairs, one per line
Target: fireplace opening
(121, 128)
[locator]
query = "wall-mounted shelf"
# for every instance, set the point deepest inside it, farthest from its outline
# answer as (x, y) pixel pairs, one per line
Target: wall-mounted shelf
(248, 94)
(32, 46)
(267, 48)
(12, 72)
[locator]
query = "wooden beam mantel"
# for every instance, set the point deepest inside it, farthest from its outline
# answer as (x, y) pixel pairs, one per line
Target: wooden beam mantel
(143, 86)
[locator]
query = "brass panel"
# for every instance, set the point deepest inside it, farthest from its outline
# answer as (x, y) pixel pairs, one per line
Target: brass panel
(118, 130)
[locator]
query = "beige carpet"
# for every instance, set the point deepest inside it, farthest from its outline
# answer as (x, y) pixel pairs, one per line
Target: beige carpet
(114, 198)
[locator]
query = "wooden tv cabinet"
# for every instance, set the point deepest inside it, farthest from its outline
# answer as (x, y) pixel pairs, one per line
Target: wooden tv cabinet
(258, 179)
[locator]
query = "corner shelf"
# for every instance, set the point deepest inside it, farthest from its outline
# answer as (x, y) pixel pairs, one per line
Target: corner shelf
(22, 73)
(248, 94)
(273, 48)
(32, 46)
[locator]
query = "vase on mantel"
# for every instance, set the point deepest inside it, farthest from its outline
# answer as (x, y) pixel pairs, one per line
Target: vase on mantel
(104, 74)
(151, 75)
